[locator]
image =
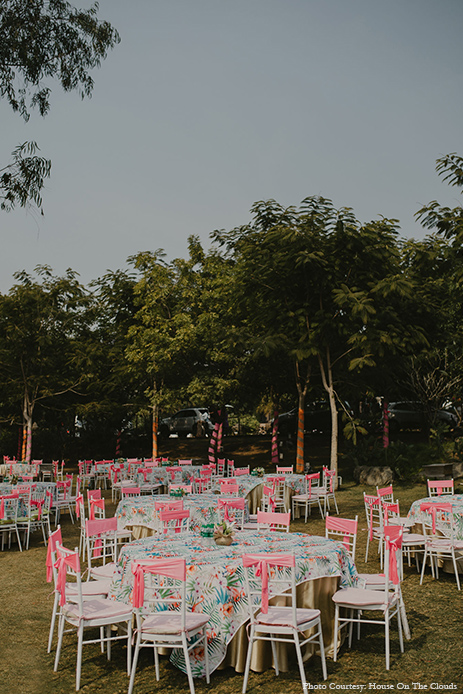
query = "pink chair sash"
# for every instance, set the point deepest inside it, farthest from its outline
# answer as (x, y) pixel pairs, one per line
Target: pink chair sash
(172, 568)
(95, 503)
(432, 509)
(51, 547)
(309, 478)
(39, 503)
(98, 527)
(222, 504)
(262, 562)
(79, 501)
(268, 491)
(177, 515)
(394, 543)
(168, 505)
(345, 525)
(61, 563)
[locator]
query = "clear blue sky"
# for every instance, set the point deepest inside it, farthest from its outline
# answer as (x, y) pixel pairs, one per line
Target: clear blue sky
(207, 106)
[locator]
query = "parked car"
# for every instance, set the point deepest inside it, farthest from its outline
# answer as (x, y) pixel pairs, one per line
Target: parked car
(409, 414)
(193, 420)
(317, 418)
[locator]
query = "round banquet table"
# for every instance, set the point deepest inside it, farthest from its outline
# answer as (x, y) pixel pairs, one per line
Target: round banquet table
(139, 513)
(215, 585)
(415, 515)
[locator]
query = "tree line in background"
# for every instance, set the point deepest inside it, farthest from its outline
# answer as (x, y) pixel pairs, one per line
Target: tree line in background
(299, 304)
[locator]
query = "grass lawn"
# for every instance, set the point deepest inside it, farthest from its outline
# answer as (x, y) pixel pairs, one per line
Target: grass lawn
(432, 658)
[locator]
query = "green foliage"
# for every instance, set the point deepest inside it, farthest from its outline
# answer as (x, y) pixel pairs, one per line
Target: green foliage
(405, 459)
(52, 39)
(22, 180)
(44, 40)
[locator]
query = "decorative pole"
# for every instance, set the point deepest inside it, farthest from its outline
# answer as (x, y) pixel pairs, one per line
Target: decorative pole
(275, 438)
(300, 442)
(118, 444)
(154, 451)
(212, 444)
(385, 425)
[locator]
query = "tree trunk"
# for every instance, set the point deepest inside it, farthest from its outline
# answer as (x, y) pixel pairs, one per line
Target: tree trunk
(302, 391)
(28, 409)
(154, 451)
(327, 380)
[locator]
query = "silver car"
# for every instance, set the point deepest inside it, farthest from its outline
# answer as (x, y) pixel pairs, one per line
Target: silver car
(192, 420)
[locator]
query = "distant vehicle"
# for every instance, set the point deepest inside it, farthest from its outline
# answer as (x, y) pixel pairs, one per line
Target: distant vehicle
(317, 418)
(409, 414)
(193, 420)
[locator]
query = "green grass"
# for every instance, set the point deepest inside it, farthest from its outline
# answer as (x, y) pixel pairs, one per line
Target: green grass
(433, 655)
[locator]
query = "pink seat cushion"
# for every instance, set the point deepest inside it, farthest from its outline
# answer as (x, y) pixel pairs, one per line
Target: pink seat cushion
(281, 616)
(353, 597)
(373, 579)
(97, 609)
(89, 588)
(105, 571)
(171, 622)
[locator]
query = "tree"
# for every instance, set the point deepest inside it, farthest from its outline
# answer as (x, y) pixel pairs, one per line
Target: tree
(44, 40)
(41, 352)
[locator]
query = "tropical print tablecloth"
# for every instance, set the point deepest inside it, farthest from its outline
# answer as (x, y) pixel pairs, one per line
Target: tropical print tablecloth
(141, 510)
(160, 475)
(456, 500)
(18, 469)
(215, 579)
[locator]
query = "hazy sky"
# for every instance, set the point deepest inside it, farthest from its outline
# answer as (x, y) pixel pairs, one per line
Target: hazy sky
(207, 106)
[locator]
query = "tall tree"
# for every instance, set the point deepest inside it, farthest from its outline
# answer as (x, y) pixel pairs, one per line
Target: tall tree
(40, 347)
(44, 40)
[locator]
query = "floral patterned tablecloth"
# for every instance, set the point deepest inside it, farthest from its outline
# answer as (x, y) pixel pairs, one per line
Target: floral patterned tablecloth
(215, 579)
(141, 510)
(456, 500)
(18, 469)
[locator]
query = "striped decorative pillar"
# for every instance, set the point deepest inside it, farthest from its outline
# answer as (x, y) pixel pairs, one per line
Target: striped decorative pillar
(24, 444)
(275, 439)
(118, 444)
(212, 444)
(219, 437)
(300, 442)
(385, 426)
(154, 442)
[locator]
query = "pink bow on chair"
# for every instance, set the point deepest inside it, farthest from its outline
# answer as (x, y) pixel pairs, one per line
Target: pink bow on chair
(172, 568)
(99, 503)
(73, 562)
(223, 505)
(432, 508)
(39, 503)
(262, 563)
(79, 501)
(394, 544)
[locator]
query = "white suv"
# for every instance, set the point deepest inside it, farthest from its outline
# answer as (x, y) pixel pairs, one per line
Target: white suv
(192, 420)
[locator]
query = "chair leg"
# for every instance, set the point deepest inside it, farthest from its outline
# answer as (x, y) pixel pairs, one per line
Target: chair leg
(206, 656)
(53, 620)
(299, 659)
(336, 629)
(60, 641)
(386, 637)
(80, 639)
(248, 661)
(322, 650)
(188, 664)
(134, 663)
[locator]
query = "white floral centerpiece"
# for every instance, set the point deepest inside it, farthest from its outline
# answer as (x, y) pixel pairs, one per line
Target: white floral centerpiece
(258, 472)
(224, 532)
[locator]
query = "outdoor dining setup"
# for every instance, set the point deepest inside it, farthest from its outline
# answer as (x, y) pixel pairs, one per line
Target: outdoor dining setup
(200, 561)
